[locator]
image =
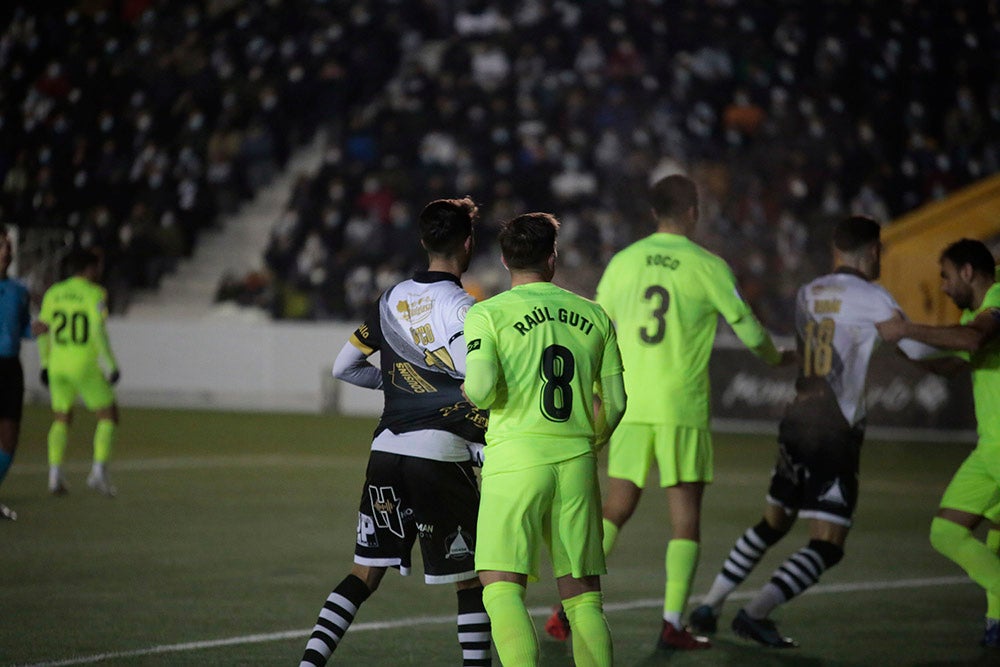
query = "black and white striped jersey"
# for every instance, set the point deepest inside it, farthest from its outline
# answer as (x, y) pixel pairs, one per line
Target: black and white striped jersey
(416, 326)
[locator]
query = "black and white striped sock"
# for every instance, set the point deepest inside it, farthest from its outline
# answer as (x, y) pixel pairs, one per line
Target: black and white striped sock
(335, 617)
(802, 570)
(474, 629)
(741, 561)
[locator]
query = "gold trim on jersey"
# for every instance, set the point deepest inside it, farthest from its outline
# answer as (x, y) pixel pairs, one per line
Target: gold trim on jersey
(356, 342)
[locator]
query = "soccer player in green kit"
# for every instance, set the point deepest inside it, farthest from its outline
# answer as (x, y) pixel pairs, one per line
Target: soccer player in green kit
(665, 294)
(537, 355)
(968, 277)
(73, 312)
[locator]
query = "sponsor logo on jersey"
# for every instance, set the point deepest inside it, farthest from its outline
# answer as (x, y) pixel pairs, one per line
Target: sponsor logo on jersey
(826, 306)
(474, 344)
(425, 529)
(415, 308)
(385, 509)
(478, 417)
(458, 545)
(364, 331)
(413, 381)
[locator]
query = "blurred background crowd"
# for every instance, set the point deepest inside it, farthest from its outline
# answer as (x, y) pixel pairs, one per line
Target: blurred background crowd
(136, 125)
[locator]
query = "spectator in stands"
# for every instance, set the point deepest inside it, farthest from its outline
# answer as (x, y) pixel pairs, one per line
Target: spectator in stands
(770, 91)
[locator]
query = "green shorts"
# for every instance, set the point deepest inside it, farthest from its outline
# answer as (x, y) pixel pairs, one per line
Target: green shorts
(90, 384)
(975, 487)
(557, 504)
(682, 453)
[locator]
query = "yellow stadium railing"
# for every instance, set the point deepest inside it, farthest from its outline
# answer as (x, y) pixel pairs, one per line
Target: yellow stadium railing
(914, 242)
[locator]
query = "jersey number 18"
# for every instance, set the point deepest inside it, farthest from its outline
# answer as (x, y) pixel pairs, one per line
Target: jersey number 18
(817, 348)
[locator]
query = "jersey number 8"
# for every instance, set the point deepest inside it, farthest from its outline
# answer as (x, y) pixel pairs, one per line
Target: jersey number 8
(557, 369)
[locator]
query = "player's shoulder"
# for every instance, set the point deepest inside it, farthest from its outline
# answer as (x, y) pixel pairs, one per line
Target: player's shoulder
(571, 301)
(991, 300)
(711, 260)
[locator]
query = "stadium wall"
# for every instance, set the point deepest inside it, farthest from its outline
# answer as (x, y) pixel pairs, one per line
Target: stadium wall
(274, 366)
(913, 244)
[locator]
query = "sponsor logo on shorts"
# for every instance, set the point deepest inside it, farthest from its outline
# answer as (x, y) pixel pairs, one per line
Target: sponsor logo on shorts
(458, 545)
(385, 509)
(366, 531)
(834, 494)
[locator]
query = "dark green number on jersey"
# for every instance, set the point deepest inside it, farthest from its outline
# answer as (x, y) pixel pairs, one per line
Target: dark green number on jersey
(73, 327)
(558, 368)
(659, 312)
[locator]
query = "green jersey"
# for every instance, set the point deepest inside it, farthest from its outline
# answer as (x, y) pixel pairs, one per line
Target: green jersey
(75, 311)
(550, 347)
(985, 375)
(665, 293)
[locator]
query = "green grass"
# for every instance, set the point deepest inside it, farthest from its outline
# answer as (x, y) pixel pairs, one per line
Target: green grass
(231, 525)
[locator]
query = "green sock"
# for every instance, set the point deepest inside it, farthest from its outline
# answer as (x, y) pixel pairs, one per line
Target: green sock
(591, 635)
(610, 536)
(682, 560)
(513, 632)
(957, 543)
(993, 600)
(58, 436)
(104, 438)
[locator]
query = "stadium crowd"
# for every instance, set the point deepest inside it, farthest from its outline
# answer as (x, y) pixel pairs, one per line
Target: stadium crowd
(139, 127)
(136, 125)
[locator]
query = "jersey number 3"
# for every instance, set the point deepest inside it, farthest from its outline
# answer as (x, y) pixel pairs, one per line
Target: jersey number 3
(557, 369)
(652, 336)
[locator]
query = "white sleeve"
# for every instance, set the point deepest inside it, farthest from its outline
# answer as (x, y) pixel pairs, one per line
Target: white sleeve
(352, 366)
(913, 349)
(457, 350)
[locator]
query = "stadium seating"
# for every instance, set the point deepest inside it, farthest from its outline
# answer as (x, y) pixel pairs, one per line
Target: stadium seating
(139, 130)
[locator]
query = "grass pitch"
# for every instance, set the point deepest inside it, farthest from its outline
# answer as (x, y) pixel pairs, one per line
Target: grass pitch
(231, 528)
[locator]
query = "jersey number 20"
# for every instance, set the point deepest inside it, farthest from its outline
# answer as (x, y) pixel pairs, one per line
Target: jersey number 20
(74, 327)
(557, 369)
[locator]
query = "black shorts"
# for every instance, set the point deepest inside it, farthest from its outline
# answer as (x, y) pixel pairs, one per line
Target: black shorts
(11, 388)
(816, 474)
(407, 497)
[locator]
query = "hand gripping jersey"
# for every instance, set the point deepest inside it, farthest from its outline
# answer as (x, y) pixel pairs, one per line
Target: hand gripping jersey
(835, 318)
(416, 326)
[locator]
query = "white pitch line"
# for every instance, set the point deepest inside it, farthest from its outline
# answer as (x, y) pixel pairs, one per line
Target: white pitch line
(191, 463)
(820, 589)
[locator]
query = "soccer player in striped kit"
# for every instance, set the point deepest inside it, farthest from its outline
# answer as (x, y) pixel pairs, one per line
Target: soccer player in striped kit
(819, 437)
(419, 483)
